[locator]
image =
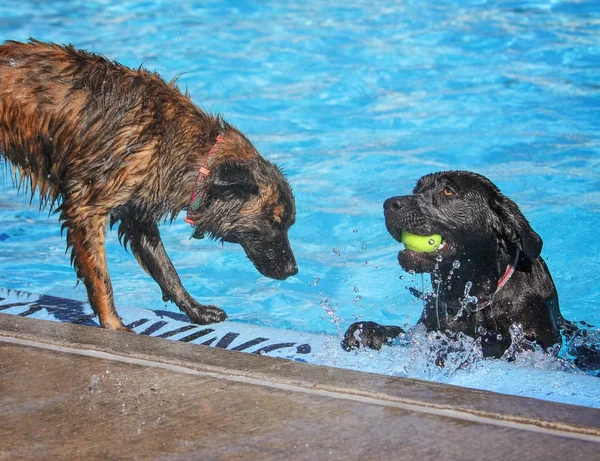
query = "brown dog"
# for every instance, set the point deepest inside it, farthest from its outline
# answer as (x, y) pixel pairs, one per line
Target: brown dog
(103, 143)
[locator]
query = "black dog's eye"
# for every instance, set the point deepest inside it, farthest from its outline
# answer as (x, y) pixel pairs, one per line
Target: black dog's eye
(448, 192)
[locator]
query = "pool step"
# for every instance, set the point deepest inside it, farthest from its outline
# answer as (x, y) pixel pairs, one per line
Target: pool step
(165, 324)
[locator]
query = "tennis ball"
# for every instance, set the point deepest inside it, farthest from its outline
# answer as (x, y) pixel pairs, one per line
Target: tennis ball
(421, 243)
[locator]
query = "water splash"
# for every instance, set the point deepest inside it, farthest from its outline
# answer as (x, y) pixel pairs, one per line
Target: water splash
(93, 386)
(529, 354)
(330, 310)
(583, 347)
(435, 355)
(467, 299)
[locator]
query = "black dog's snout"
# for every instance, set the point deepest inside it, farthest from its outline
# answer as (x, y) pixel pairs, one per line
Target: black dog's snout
(393, 204)
(291, 268)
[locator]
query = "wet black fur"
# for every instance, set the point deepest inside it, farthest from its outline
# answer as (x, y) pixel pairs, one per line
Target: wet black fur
(483, 230)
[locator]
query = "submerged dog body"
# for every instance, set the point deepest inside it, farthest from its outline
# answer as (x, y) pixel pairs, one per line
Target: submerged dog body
(104, 144)
(487, 274)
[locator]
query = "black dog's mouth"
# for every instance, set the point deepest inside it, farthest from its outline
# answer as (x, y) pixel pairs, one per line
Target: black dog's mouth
(424, 261)
(445, 248)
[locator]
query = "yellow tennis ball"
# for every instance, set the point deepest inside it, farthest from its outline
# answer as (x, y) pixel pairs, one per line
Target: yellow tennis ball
(421, 243)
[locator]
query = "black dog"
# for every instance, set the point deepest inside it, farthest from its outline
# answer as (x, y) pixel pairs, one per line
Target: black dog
(104, 144)
(487, 273)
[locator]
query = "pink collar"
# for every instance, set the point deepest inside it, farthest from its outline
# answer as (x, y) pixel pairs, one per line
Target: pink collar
(510, 270)
(199, 189)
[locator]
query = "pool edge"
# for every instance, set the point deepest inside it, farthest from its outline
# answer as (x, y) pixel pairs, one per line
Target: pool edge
(422, 396)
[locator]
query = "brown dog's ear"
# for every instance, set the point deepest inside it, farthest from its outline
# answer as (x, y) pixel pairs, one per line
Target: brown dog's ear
(516, 228)
(234, 178)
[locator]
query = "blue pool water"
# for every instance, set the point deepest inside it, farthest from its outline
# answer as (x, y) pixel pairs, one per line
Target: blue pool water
(354, 101)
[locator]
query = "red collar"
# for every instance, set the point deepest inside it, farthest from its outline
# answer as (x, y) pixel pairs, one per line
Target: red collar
(199, 189)
(510, 270)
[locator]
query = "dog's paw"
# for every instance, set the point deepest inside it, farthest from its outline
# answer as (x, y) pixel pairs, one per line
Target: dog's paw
(115, 324)
(202, 314)
(369, 334)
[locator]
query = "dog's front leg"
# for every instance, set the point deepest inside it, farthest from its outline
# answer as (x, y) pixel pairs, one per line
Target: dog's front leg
(86, 239)
(146, 245)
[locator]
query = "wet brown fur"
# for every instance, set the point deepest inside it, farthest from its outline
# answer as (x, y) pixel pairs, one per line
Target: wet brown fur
(104, 143)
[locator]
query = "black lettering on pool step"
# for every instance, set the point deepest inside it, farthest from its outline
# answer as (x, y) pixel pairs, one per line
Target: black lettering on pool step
(8, 306)
(226, 340)
(154, 327)
(303, 349)
(208, 342)
(137, 323)
(35, 307)
(168, 334)
(273, 347)
(197, 335)
(248, 344)
(83, 318)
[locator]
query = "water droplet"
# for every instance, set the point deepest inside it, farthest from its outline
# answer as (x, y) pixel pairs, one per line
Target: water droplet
(355, 230)
(356, 290)
(468, 287)
(401, 277)
(364, 247)
(431, 242)
(411, 273)
(456, 264)
(439, 258)
(336, 251)
(93, 387)
(11, 62)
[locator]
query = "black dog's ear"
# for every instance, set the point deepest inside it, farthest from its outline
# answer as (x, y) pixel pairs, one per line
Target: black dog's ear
(516, 228)
(235, 178)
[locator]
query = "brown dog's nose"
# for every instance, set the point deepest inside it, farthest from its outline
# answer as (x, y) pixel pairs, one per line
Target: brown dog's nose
(393, 203)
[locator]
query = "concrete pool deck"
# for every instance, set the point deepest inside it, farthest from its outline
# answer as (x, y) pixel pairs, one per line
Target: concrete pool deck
(74, 392)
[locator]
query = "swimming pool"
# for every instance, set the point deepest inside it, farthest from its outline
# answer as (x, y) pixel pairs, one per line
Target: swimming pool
(355, 102)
